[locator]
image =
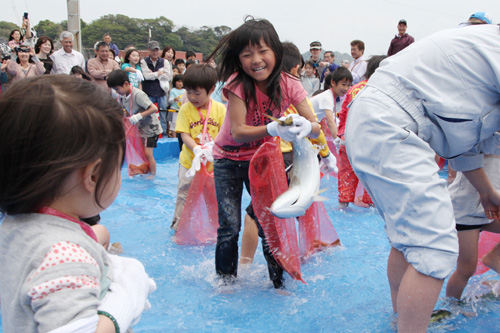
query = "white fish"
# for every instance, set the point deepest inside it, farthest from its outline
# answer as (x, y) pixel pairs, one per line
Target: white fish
(304, 183)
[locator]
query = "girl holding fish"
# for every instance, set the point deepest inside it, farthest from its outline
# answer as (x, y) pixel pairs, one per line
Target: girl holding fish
(251, 58)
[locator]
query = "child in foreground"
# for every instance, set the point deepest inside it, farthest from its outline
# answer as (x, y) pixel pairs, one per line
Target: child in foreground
(201, 115)
(470, 221)
(141, 110)
(251, 66)
(58, 166)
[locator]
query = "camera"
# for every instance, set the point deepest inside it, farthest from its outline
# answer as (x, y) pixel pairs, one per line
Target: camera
(25, 15)
(6, 51)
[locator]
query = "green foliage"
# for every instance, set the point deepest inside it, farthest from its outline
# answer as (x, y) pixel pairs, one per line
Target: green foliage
(125, 30)
(49, 29)
(6, 28)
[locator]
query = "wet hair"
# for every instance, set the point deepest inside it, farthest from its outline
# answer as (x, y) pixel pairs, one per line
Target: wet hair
(12, 32)
(373, 64)
(66, 124)
(312, 64)
(359, 44)
(190, 54)
(177, 78)
(291, 56)
(231, 45)
(166, 49)
(42, 40)
(78, 70)
(117, 78)
(126, 59)
(200, 76)
(179, 61)
(341, 73)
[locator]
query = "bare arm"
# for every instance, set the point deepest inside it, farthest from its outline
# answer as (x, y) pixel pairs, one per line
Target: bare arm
(152, 109)
(330, 122)
(490, 199)
(188, 140)
(240, 131)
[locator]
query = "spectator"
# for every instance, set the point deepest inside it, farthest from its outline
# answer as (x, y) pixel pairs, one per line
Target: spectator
(112, 46)
(154, 69)
(358, 66)
(16, 38)
(190, 55)
(318, 63)
(100, 67)
(330, 58)
(401, 40)
(27, 64)
(65, 58)
(43, 49)
(181, 65)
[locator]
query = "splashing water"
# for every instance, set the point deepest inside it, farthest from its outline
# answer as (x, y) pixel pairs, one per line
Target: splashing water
(346, 290)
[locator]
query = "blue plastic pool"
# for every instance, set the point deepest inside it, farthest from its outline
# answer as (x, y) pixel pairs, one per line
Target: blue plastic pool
(346, 290)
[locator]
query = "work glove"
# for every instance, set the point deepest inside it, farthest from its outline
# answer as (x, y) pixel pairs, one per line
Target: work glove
(328, 164)
(139, 75)
(135, 118)
(336, 142)
(127, 295)
(275, 129)
(202, 154)
(301, 126)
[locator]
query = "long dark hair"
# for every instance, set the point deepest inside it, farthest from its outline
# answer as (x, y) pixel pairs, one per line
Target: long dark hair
(229, 48)
(65, 124)
(126, 59)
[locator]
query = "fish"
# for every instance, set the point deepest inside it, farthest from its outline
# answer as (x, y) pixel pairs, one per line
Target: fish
(304, 183)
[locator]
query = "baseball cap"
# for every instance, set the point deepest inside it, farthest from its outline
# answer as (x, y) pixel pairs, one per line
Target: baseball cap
(315, 45)
(482, 16)
(402, 21)
(152, 45)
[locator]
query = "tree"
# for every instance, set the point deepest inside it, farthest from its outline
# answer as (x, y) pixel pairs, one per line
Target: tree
(49, 29)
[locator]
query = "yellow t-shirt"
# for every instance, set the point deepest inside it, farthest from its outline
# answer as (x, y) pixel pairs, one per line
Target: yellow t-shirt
(189, 121)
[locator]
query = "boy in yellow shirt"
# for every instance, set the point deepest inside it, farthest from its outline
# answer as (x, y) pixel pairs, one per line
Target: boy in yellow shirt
(198, 123)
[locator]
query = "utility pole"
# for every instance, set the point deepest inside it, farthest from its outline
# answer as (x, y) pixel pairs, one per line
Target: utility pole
(74, 23)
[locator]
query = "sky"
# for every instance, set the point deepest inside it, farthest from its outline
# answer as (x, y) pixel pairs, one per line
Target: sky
(334, 23)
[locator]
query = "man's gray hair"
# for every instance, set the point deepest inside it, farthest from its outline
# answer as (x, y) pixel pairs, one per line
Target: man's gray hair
(65, 34)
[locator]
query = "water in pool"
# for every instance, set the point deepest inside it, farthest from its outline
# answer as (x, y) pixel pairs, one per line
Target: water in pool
(346, 290)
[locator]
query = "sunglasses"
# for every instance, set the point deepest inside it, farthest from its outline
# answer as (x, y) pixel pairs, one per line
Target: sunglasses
(23, 49)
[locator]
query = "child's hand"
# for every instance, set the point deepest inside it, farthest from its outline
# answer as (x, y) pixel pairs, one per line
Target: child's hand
(275, 129)
(135, 118)
(128, 294)
(301, 126)
(202, 154)
(328, 164)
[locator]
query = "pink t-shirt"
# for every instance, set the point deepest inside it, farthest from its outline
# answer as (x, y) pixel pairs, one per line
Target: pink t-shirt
(292, 93)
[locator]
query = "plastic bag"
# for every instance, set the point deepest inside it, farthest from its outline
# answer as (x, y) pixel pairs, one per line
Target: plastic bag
(487, 241)
(316, 230)
(199, 219)
(267, 182)
(137, 163)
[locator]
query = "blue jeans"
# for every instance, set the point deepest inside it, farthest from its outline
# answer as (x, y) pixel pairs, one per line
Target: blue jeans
(162, 107)
(229, 178)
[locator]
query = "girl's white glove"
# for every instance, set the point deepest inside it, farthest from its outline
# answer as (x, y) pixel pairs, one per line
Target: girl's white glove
(128, 294)
(300, 128)
(275, 129)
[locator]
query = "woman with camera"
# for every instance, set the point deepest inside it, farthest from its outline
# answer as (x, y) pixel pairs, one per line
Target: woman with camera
(27, 64)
